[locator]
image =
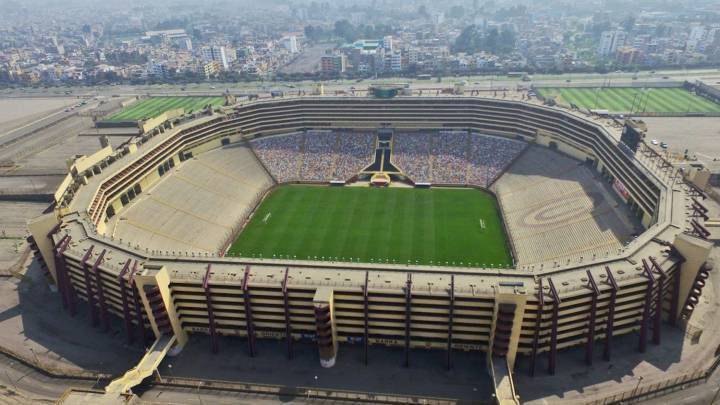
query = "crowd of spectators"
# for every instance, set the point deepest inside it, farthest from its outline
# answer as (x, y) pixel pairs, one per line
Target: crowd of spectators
(411, 152)
(315, 155)
(355, 152)
(450, 157)
(447, 157)
(489, 157)
(319, 157)
(454, 157)
(280, 155)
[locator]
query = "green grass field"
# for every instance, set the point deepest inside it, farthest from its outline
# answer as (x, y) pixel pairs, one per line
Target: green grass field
(626, 100)
(154, 106)
(393, 225)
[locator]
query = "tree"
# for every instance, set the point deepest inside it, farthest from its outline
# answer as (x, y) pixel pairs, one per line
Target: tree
(507, 41)
(628, 23)
(316, 33)
(456, 12)
(473, 39)
(662, 30)
(492, 40)
(422, 10)
(345, 30)
(597, 28)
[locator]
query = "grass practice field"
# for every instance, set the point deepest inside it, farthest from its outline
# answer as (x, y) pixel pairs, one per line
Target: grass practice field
(154, 106)
(627, 100)
(460, 227)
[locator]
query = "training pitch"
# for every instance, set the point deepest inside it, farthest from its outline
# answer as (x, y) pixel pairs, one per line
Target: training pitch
(154, 106)
(632, 100)
(448, 227)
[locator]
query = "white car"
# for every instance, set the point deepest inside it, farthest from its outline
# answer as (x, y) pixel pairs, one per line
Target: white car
(654, 141)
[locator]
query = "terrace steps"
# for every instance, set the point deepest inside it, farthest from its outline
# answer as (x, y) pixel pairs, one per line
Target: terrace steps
(559, 212)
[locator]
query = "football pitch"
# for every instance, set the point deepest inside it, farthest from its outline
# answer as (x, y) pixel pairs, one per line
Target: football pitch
(460, 227)
(629, 100)
(154, 106)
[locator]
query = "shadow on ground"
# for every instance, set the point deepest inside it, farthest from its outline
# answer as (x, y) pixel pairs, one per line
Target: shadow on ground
(36, 326)
(385, 373)
(574, 375)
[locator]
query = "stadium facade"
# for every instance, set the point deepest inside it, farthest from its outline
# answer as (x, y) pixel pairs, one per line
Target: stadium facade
(531, 311)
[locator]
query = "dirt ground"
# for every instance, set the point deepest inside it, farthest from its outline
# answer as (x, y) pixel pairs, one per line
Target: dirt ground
(16, 112)
(308, 61)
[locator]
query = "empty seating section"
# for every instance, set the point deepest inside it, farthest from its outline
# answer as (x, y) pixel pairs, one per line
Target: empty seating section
(411, 153)
(149, 159)
(280, 155)
(454, 157)
(557, 211)
(195, 208)
(316, 155)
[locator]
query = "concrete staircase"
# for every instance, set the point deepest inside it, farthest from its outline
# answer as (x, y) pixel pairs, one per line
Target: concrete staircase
(145, 368)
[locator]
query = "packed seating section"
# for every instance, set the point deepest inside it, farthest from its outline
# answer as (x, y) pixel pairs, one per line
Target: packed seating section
(315, 155)
(445, 157)
(454, 157)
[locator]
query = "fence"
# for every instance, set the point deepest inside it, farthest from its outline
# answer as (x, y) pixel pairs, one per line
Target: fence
(53, 371)
(657, 388)
(308, 393)
(83, 377)
(674, 114)
(610, 84)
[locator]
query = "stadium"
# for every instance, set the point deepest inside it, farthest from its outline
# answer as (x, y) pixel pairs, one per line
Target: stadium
(451, 223)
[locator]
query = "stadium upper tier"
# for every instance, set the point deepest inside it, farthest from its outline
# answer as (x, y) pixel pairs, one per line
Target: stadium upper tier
(527, 310)
(489, 116)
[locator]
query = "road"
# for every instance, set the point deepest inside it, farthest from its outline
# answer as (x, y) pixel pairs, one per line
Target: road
(20, 384)
(25, 384)
(711, 76)
(701, 394)
(17, 133)
(308, 60)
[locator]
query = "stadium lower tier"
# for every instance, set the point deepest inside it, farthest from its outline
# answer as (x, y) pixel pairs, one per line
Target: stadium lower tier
(223, 296)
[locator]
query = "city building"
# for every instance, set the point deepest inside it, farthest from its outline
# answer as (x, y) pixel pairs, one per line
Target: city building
(216, 54)
(610, 41)
(333, 64)
(396, 62)
(628, 55)
(290, 43)
(210, 69)
(387, 43)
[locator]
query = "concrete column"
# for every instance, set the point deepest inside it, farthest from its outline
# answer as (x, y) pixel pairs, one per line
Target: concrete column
(695, 251)
(325, 326)
(508, 300)
(156, 276)
(42, 229)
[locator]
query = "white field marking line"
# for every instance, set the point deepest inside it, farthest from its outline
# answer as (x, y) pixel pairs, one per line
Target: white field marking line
(267, 217)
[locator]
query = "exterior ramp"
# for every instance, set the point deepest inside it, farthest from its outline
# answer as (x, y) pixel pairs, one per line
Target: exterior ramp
(147, 365)
(502, 379)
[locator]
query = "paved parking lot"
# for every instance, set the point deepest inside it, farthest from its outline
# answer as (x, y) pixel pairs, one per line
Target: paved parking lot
(701, 135)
